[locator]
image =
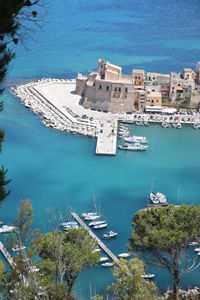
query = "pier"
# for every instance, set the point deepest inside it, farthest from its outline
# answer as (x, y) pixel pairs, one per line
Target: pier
(107, 138)
(7, 255)
(100, 243)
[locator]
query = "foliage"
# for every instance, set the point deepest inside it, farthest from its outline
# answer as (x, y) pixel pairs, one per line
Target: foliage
(65, 256)
(129, 284)
(165, 233)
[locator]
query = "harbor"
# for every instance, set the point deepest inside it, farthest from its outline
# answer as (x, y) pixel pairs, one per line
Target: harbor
(57, 105)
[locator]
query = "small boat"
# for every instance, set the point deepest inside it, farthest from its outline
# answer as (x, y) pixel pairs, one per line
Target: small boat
(103, 259)
(196, 126)
(7, 229)
(134, 147)
(139, 123)
(197, 249)
(101, 226)
(85, 215)
(162, 198)
(66, 227)
(34, 269)
(96, 250)
(136, 139)
(92, 218)
(148, 276)
(198, 253)
(146, 124)
(107, 264)
(18, 248)
(72, 223)
(109, 235)
(193, 244)
(165, 125)
(96, 223)
(154, 199)
(124, 255)
(177, 125)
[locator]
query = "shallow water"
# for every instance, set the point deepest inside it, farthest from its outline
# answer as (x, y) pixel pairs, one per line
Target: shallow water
(56, 170)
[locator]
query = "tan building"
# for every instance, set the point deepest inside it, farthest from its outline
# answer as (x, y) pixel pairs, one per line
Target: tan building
(154, 99)
(107, 90)
(182, 84)
(138, 76)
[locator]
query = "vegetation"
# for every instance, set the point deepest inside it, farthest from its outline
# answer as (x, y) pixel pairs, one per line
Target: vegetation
(165, 234)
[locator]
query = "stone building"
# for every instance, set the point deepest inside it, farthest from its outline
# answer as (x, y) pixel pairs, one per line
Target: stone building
(181, 84)
(138, 76)
(107, 89)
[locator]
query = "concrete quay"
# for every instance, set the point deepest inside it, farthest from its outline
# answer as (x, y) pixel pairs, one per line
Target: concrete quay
(107, 138)
(7, 256)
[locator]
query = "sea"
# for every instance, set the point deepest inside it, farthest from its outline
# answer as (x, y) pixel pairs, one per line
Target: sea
(59, 171)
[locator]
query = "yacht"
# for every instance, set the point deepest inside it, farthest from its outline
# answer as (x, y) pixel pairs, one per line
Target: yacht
(85, 215)
(197, 249)
(158, 198)
(136, 139)
(104, 225)
(193, 244)
(124, 255)
(134, 147)
(107, 264)
(96, 223)
(72, 223)
(7, 229)
(109, 235)
(103, 259)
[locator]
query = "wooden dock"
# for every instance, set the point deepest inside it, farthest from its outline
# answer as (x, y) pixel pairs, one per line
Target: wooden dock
(100, 243)
(7, 255)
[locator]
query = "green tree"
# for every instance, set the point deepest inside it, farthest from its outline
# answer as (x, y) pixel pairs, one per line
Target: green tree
(66, 255)
(129, 284)
(165, 234)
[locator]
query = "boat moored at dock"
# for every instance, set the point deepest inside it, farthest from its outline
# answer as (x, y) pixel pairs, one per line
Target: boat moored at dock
(109, 235)
(134, 147)
(136, 139)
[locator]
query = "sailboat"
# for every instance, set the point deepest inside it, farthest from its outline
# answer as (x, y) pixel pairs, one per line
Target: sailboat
(92, 215)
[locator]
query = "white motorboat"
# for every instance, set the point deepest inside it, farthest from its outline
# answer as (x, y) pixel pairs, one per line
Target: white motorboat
(136, 139)
(18, 248)
(166, 125)
(148, 276)
(96, 223)
(134, 147)
(72, 223)
(109, 235)
(92, 218)
(103, 259)
(7, 229)
(197, 249)
(198, 253)
(146, 123)
(101, 226)
(193, 244)
(34, 269)
(88, 214)
(196, 126)
(96, 250)
(177, 125)
(124, 255)
(67, 227)
(107, 264)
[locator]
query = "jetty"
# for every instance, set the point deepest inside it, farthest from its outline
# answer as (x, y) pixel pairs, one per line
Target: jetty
(100, 243)
(7, 255)
(107, 138)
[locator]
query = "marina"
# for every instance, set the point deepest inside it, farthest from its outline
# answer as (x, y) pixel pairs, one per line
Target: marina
(100, 243)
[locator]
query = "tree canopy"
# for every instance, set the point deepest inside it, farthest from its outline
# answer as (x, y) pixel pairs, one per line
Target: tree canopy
(165, 233)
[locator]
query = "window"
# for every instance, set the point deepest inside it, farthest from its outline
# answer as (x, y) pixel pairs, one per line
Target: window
(107, 88)
(100, 86)
(138, 77)
(119, 89)
(125, 96)
(126, 90)
(152, 101)
(115, 89)
(135, 77)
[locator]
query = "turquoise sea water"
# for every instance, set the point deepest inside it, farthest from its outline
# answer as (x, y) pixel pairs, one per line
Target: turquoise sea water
(56, 170)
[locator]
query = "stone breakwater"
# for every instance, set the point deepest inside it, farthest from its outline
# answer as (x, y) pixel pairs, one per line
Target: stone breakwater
(51, 114)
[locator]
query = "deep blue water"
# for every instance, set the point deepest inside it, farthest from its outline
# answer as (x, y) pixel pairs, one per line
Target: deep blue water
(56, 170)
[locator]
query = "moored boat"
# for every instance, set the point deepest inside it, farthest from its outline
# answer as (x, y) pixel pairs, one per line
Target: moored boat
(92, 218)
(7, 229)
(124, 255)
(103, 259)
(101, 226)
(136, 139)
(109, 235)
(134, 147)
(107, 264)
(96, 223)
(18, 248)
(148, 276)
